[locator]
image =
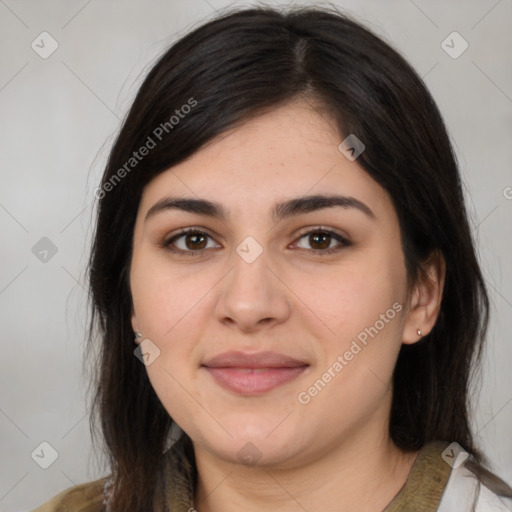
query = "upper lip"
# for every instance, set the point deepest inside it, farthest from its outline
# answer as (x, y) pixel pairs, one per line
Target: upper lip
(267, 359)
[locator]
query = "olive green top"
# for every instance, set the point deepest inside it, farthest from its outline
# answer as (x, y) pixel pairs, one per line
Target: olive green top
(422, 492)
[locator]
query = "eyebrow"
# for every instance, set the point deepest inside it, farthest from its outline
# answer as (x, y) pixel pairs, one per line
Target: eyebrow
(280, 211)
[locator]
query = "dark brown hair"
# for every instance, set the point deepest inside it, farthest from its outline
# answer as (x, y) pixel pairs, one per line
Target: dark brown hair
(236, 67)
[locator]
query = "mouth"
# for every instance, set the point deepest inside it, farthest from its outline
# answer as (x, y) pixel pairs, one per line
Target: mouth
(253, 374)
(254, 381)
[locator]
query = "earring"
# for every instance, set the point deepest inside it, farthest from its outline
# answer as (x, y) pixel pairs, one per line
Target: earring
(419, 332)
(137, 336)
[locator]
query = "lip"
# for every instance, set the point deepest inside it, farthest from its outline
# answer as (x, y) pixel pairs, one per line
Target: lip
(253, 374)
(267, 359)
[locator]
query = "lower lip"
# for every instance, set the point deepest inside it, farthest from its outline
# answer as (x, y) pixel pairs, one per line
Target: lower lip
(247, 381)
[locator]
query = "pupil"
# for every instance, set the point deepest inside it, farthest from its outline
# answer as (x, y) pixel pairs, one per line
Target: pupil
(320, 239)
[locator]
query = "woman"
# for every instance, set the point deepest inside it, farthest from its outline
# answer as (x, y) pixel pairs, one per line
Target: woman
(282, 232)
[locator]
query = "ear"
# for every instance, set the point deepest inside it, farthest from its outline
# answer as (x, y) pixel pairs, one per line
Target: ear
(425, 299)
(135, 327)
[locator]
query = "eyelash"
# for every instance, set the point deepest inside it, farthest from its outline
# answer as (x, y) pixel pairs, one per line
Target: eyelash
(167, 244)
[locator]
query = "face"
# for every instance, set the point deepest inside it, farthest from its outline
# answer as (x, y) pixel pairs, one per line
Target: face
(320, 284)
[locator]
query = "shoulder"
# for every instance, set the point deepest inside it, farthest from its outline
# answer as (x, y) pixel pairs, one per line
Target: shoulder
(444, 479)
(88, 497)
(465, 491)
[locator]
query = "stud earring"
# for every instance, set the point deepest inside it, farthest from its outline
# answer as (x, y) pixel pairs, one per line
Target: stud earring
(419, 332)
(137, 336)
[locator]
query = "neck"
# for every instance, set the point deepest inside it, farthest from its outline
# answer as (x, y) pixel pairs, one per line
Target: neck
(364, 472)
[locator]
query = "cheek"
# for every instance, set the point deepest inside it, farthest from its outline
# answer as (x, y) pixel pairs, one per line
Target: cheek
(167, 308)
(362, 305)
(353, 297)
(170, 306)
(165, 296)
(357, 362)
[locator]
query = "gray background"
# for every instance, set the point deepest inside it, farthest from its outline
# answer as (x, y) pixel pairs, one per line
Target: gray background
(58, 119)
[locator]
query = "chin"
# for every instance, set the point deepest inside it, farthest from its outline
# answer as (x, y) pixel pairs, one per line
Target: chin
(253, 446)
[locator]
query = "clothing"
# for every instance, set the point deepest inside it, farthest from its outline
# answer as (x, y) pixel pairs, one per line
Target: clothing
(432, 486)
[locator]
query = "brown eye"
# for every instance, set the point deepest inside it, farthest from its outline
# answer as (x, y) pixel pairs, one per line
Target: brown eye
(320, 241)
(189, 242)
(195, 241)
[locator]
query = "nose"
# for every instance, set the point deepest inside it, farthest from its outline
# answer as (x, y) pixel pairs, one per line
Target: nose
(253, 296)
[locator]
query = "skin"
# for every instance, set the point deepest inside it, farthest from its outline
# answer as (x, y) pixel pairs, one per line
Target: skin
(333, 453)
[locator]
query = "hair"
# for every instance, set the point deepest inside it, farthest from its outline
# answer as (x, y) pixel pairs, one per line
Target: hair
(231, 69)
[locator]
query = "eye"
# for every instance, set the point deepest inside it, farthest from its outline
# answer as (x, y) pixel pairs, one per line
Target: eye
(323, 241)
(189, 241)
(193, 241)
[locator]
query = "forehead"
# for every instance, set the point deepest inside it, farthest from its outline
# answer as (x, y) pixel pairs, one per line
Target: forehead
(291, 151)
